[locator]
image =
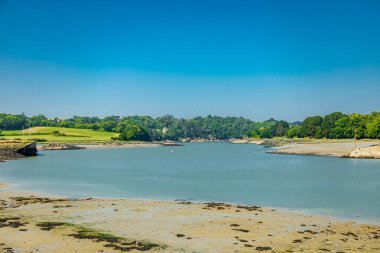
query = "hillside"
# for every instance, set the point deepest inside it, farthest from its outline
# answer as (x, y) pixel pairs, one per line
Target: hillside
(59, 134)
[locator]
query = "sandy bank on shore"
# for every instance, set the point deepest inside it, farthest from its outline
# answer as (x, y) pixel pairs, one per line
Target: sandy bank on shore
(158, 226)
(124, 145)
(60, 146)
(3, 186)
(247, 141)
(338, 149)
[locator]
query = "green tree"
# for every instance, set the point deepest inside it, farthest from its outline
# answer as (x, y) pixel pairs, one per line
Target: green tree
(329, 123)
(373, 128)
(311, 126)
(281, 128)
(134, 133)
(294, 132)
(12, 122)
(254, 134)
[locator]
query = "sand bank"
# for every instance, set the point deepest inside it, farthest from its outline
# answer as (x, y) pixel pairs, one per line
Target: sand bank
(159, 226)
(337, 148)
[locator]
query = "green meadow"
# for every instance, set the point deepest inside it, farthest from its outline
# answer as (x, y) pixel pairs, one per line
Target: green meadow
(59, 134)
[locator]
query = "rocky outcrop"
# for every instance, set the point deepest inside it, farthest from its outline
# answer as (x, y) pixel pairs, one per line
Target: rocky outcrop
(9, 154)
(29, 149)
(59, 146)
(200, 140)
(367, 152)
(247, 141)
(239, 141)
(13, 149)
(169, 143)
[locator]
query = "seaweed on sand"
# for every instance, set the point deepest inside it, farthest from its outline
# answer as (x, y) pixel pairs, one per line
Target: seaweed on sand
(49, 225)
(115, 242)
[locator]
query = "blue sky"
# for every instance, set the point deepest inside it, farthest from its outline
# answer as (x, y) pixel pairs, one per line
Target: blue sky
(257, 59)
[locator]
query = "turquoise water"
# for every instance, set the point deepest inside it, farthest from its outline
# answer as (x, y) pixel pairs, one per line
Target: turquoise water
(244, 174)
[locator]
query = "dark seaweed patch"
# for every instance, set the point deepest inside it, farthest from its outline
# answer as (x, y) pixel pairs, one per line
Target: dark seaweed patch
(49, 225)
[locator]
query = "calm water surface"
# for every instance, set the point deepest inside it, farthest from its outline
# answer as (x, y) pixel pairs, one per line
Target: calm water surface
(244, 174)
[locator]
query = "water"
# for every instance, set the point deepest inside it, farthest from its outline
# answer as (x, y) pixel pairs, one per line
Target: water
(242, 174)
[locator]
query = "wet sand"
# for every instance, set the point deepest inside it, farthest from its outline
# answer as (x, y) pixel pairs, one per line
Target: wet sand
(336, 148)
(161, 226)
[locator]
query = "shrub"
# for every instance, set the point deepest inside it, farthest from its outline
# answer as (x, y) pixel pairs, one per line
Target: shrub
(58, 133)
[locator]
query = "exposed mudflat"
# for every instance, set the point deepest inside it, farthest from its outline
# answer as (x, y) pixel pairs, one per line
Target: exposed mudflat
(46, 224)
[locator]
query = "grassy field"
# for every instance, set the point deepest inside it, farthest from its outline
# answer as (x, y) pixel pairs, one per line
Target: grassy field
(59, 134)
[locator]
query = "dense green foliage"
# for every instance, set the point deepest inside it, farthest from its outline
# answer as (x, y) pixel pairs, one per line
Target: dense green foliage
(133, 132)
(12, 122)
(333, 126)
(338, 125)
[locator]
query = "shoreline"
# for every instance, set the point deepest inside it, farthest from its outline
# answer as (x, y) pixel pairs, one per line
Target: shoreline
(181, 226)
(298, 211)
(78, 146)
(7, 187)
(365, 149)
(125, 145)
(343, 149)
(3, 186)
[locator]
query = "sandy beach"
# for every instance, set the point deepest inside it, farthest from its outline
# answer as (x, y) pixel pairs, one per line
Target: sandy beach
(31, 223)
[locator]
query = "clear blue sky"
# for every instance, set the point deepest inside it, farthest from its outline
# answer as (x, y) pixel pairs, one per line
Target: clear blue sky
(257, 59)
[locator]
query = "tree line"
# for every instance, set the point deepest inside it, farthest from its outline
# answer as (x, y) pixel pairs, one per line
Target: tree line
(332, 126)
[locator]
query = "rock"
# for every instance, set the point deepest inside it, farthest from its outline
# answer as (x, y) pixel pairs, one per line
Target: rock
(169, 143)
(59, 146)
(368, 152)
(246, 141)
(261, 248)
(9, 149)
(241, 230)
(239, 141)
